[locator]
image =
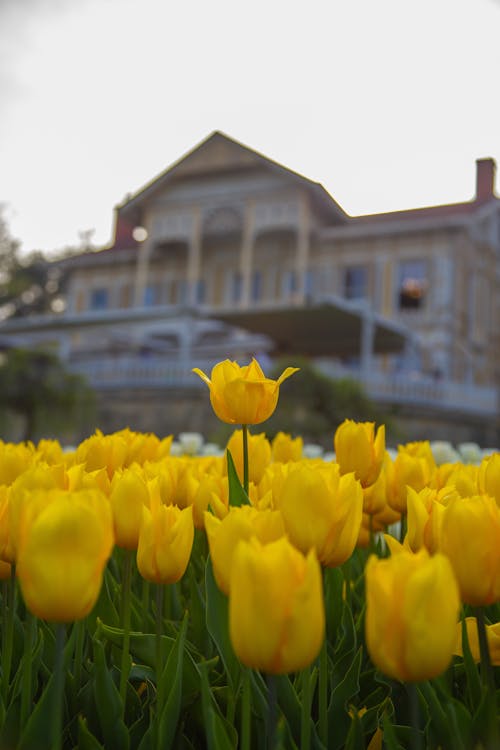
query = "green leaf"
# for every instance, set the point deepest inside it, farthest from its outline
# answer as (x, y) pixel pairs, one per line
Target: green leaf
(471, 671)
(390, 737)
(217, 618)
(171, 680)
(108, 703)
(334, 604)
(143, 649)
(220, 735)
(86, 740)
(237, 495)
(338, 718)
(37, 734)
(355, 737)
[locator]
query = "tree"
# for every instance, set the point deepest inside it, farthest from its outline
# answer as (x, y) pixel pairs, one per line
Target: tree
(313, 405)
(36, 386)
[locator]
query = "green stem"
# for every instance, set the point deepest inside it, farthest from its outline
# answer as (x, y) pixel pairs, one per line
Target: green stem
(58, 705)
(26, 685)
(160, 589)
(272, 711)
(416, 737)
(126, 581)
(8, 632)
(145, 598)
(78, 658)
(245, 710)
(402, 528)
(305, 719)
(488, 682)
(245, 457)
(323, 693)
(487, 678)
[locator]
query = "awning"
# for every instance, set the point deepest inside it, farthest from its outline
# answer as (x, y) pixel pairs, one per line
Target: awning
(334, 329)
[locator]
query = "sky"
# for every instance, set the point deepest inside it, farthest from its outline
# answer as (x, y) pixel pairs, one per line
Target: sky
(387, 103)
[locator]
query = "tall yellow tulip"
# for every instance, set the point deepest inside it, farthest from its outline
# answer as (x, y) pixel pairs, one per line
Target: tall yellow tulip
(412, 607)
(276, 610)
(243, 395)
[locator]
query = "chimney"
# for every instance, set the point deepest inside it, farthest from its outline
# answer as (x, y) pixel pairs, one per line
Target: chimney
(485, 179)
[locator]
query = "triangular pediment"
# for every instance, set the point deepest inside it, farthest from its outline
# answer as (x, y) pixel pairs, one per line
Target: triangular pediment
(217, 153)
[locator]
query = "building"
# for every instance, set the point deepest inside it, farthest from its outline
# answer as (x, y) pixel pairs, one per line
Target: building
(229, 254)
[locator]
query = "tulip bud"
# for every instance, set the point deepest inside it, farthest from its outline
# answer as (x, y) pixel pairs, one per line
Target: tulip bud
(323, 510)
(243, 395)
(470, 538)
(64, 549)
(412, 606)
(276, 610)
(165, 542)
(358, 450)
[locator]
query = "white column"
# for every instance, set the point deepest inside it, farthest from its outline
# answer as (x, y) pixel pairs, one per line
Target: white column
(194, 257)
(142, 271)
(367, 341)
(302, 257)
(246, 254)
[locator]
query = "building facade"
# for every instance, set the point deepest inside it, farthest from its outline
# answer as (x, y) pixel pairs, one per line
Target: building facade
(226, 241)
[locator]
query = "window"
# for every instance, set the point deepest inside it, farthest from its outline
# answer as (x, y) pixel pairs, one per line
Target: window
(256, 286)
(150, 295)
(412, 284)
(355, 282)
(288, 283)
(201, 292)
(236, 286)
(99, 299)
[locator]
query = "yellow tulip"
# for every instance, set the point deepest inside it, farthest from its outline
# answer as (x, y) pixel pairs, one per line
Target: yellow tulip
(322, 509)
(489, 476)
(409, 469)
(63, 553)
(129, 494)
(285, 448)
(425, 515)
(359, 450)
(14, 460)
(375, 496)
(470, 537)
(276, 610)
(213, 491)
(165, 542)
(243, 395)
(492, 635)
(239, 524)
(259, 454)
(412, 606)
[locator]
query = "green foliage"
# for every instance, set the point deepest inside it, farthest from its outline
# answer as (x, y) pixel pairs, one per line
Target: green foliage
(35, 385)
(313, 405)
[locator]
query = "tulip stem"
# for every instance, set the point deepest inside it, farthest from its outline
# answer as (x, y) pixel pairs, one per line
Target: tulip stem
(416, 737)
(305, 723)
(126, 581)
(323, 693)
(26, 689)
(272, 711)
(484, 651)
(160, 590)
(58, 705)
(488, 681)
(245, 710)
(9, 604)
(145, 598)
(244, 428)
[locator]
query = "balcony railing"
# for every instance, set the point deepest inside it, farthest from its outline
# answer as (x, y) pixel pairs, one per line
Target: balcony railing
(151, 371)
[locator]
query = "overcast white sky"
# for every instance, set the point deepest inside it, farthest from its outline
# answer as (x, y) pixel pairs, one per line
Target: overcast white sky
(387, 103)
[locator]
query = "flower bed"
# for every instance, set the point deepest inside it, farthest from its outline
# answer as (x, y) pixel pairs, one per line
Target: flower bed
(250, 599)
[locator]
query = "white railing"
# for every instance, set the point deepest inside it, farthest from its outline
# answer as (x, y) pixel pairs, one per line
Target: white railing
(152, 371)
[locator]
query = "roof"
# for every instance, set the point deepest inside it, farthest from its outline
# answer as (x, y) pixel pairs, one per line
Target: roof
(332, 328)
(221, 153)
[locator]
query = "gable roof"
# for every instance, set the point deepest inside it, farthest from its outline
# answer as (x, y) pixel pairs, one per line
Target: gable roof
(219, 153)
